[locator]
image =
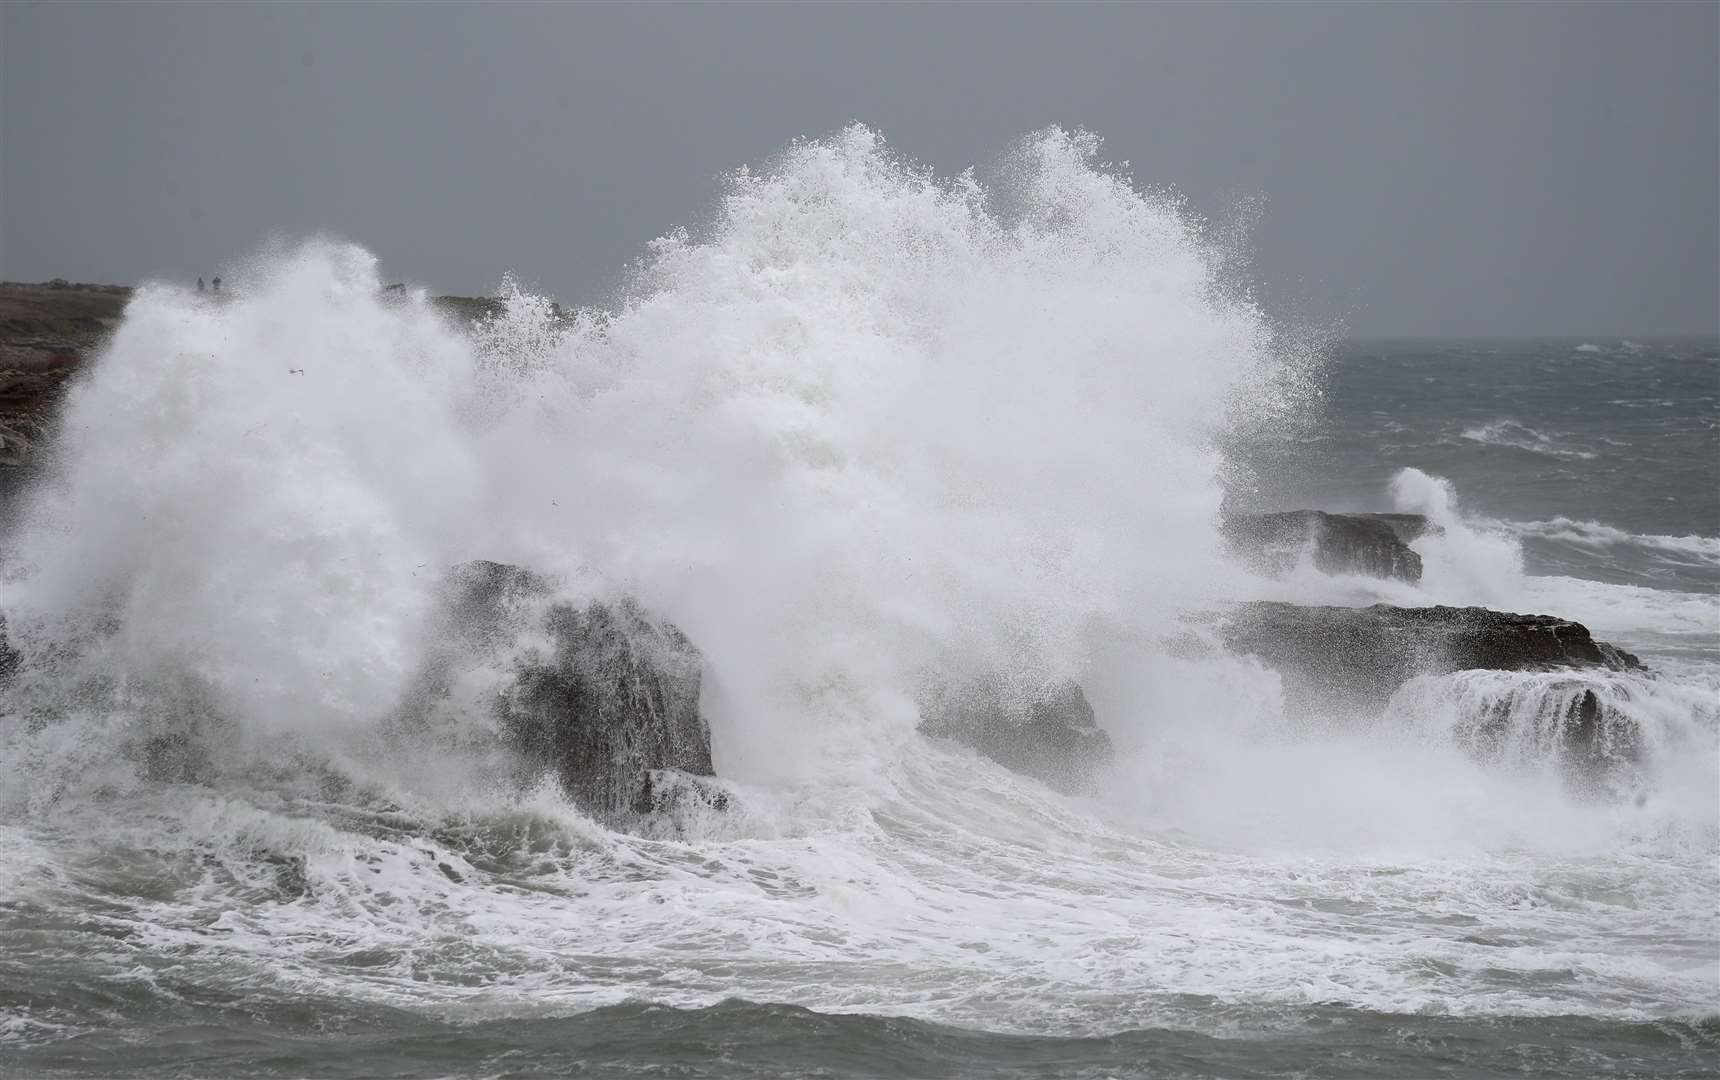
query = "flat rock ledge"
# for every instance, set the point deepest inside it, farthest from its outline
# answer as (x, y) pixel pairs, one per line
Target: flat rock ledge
(1371, 545)
(1359, 657)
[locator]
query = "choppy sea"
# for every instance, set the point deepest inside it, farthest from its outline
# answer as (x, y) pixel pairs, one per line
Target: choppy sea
(826, 473)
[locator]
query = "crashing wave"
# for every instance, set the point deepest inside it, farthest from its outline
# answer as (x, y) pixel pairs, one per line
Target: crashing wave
(1600, 731)
(1594, 534)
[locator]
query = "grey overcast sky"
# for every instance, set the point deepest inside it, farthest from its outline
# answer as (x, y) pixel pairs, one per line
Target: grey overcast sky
(1439, 169)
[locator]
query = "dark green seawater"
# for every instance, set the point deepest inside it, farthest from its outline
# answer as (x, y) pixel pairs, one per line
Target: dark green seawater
(741, 1039)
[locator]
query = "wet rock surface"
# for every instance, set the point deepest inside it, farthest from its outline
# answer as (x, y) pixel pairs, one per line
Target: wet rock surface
(51, 331)
(1048, 733)
(1373, 545)
(601, 694)
(1358, 657)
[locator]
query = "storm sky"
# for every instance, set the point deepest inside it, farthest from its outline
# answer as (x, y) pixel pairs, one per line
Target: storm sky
(1421, 170)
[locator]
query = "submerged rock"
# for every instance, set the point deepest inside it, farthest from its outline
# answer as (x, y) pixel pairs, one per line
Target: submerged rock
(291, 875)
(1359, 657)
(1373, 545)
(602, 694)
(1588, 724)
(1048, 733)
(1593, 735)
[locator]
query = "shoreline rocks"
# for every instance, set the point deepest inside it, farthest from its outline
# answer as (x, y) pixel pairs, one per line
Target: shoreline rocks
(1358, 657)
(1374, 545)
(1338, 665)
(606, 696)
(602, 694)
(47, 331)
(1048, 733)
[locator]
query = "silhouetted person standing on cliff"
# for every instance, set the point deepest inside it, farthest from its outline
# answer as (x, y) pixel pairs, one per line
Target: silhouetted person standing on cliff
(217, 284)
(199, 284)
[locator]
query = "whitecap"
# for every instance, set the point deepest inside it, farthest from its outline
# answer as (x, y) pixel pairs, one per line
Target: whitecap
(1595, 534)
(1519, 436)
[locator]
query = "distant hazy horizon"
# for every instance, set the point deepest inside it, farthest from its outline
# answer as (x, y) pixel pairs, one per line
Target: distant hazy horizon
(1350, 338)
(1408, 171)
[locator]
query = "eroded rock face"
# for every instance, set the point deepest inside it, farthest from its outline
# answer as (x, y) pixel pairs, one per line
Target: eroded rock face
(1047, 733)
(601, 694)
(1358, 657)
(617, 699)
(1373, 545)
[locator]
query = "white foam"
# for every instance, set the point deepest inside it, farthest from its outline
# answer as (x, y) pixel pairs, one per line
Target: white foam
(1651, 735)
(1478, 561)
(1464, 561)
(1596, 535)
(864, 423)
(260, 529)
(1519, 436)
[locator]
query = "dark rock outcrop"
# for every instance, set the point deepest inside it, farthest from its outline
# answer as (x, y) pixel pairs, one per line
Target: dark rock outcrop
(467, 309)
(10, 657)
(1358, 657)
(607, 698)
(1375, 545)
(1049, 733)
(1338, 663)
(617, 699)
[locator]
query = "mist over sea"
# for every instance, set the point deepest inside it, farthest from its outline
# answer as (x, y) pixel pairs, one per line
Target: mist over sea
(864, 424)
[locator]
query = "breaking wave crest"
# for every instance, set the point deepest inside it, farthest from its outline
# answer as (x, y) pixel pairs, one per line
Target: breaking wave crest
(865, 424)
(1593, 534)
(1518, 436)
(1608, 733)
